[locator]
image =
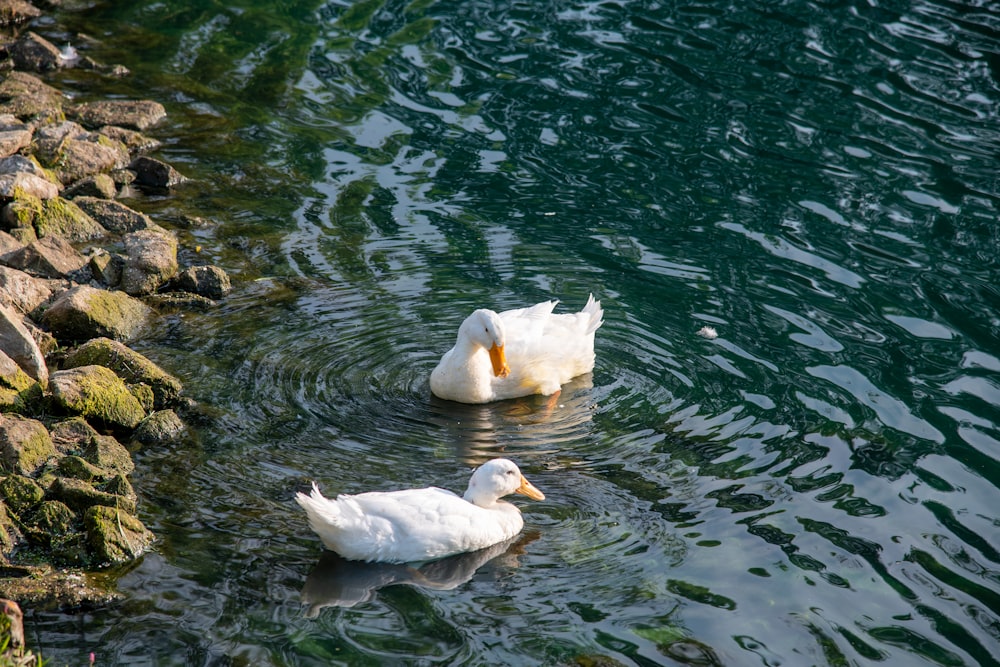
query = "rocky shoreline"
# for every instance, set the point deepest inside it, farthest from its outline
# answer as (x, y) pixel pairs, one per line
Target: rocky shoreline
(81, 276)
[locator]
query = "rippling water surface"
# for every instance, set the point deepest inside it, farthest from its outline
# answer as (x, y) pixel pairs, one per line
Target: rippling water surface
(818, 181)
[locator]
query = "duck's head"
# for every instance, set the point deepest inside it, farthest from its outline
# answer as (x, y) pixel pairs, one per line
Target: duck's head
(484, 328)
(498, 478)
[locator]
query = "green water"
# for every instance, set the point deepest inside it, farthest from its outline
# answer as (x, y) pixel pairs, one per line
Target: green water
(815, 180)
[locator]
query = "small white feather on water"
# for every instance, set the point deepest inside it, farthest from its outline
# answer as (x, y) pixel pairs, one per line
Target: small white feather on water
(708, 332)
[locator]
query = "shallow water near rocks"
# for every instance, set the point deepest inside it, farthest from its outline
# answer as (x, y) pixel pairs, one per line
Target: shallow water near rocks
(815, 181)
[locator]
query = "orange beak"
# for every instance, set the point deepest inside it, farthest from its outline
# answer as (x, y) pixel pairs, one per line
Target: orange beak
(528, 489)
(499, 361)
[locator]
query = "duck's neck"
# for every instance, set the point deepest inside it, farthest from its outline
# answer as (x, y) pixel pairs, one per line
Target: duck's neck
(484, 500)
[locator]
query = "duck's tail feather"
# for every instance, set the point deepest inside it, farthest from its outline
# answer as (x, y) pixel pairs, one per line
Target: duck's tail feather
(593, 308)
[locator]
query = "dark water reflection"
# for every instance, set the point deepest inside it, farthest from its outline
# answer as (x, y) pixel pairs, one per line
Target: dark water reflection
(816, 181)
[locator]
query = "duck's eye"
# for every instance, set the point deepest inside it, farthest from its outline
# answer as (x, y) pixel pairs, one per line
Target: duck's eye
(510, 472)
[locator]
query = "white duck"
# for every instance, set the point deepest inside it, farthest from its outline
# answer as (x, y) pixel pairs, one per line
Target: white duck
(517, 353)
(421, 524)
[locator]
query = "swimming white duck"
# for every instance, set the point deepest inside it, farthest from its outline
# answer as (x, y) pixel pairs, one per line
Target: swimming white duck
(421, 524)
(517, 353)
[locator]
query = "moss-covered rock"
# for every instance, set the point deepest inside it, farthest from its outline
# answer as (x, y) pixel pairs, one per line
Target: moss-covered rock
(22, 212)
(64, 218)
(54, 517)
(10, 535)
(120, 486)
(115, 536)
(20, 493)
(85, 312)
(109, 455)
(70, 436)
(96, 393)
(25, 444)
(79, 495)
(129, 365)
(159, 428)
(17, 389)
(78, 468)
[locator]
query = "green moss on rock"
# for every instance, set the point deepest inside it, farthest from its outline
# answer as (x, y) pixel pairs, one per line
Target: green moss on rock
(109, 455)
(25, 445)
(10, 535)
(79, 495)
(96, 393)
(129, 365)
(78, 468)
(144, 394)
(115, 536)
(20, 493)
(64, 218)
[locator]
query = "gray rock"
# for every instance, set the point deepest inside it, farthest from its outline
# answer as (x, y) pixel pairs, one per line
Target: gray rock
(86, 156)
(151, 260)
(208, 281)
(14, 12)
(16, 185)
(71, 435)
(27, 96)
(85, 312)
(21, 291)
(51, 257)
(155, 173)
(25, 445)
(13, 140)
(106, 268)
(136, 142)
(132, 114)
(8, 244)
(129, 365)
(35, 54)
(97, 394)
(18, 344)
(16, 164)
(114, 216)
(100, 186)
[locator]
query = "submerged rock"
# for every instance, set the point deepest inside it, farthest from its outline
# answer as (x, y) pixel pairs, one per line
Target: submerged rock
(208, 281)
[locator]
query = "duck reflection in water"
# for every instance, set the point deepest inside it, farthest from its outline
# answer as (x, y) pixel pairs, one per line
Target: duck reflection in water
(338, 582)
(473, 429)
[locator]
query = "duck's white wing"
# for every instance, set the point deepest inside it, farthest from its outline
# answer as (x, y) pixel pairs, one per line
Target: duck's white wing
(545, 350)
(408, 526)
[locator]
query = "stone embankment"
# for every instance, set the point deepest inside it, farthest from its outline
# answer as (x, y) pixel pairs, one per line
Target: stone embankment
(81, 275)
